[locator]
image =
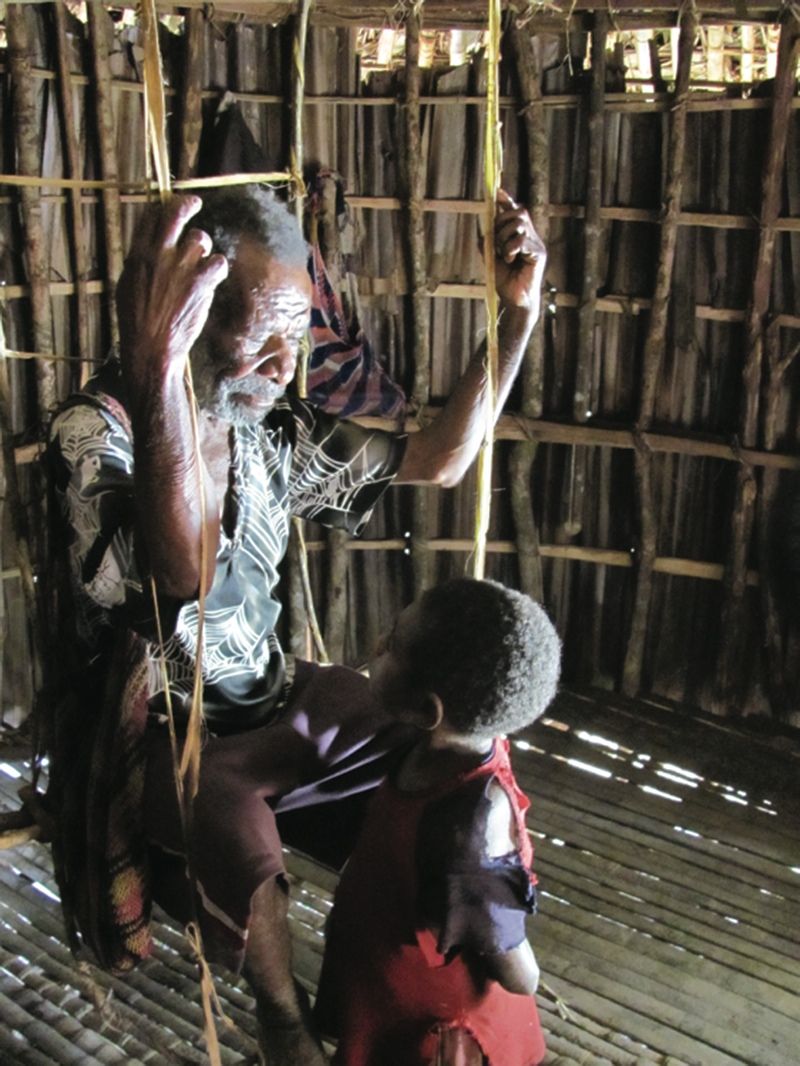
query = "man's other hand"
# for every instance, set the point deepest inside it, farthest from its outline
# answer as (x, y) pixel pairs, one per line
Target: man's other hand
(520, 256)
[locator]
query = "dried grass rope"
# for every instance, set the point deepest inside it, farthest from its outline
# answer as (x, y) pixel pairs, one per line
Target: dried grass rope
(186, 768)
(187, 773)
(492, 168)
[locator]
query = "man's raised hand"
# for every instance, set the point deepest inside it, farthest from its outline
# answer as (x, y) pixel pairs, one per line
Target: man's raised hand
(520, 255)
(165, 291)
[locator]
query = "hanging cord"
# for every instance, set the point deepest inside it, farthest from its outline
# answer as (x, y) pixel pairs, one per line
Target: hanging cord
(492, 167)
(299, 191)
(186, 768)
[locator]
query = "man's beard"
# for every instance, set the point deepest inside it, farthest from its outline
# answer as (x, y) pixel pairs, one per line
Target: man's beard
(242, 401)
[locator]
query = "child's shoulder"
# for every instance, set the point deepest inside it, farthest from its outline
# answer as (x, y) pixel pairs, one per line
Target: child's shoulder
(501, 824)
(474, 821)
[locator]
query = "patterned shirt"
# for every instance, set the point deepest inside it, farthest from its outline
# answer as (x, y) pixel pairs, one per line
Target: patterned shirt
(299, 461)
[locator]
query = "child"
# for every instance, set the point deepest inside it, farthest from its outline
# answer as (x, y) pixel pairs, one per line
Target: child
(426, 959)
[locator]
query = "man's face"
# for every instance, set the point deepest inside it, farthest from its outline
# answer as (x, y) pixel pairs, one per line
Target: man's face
(247, 353)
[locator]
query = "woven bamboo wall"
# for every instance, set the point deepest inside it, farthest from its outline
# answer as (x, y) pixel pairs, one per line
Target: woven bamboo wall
(641, 458)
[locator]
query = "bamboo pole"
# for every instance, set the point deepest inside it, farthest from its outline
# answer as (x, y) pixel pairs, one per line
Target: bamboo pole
(104, 123)
(653, 355)
(731, 649)
(592, 226)
(69, 128)
(412, 170)
(191, 100)
(523, 454)
(777, 366)
(27, 139)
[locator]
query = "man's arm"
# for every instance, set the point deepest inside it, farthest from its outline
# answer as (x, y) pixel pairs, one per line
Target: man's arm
(163, 300)
(443, 451)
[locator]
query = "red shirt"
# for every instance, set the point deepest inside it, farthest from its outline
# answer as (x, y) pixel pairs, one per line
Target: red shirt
(385, 989)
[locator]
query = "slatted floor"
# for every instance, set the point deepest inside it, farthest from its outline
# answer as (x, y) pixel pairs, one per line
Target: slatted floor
(669, 929)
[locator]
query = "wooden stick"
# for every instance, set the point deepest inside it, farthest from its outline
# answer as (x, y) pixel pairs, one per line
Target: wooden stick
(104, 125)
(677, 567)
(731, 650)
(653, 355)
(13, 500)
(303, 615)
(523, 454)
(777, 365)
(412, 171)
(592, 227)
(574, 495)
(656, 335)
(73, 160)
(128, 194)
(305, 620)
(336, 594)
(337, 560)
(611, 304)
(673, 565)
(27, 138)
(413, 198)
(773, 637)
(516, 427)
(191, 102)
(623, 101)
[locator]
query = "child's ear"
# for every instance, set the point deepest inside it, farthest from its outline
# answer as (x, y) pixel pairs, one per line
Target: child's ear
(433, 711)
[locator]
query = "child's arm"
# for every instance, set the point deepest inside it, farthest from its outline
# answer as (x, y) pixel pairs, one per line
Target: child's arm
(475, 890)
(516, 969)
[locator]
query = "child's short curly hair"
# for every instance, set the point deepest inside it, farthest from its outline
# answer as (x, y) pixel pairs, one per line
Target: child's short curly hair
(489, 652)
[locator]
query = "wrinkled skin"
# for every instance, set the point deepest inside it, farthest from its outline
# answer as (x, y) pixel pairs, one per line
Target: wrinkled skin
(247, 354)
(165, 290)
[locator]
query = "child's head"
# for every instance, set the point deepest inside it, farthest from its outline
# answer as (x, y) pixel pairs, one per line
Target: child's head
(490, 654)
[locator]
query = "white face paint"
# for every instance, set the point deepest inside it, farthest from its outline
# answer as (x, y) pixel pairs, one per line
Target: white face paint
(247, 353)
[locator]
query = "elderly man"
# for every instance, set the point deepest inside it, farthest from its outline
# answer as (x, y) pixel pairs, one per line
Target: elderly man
(155, 502)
